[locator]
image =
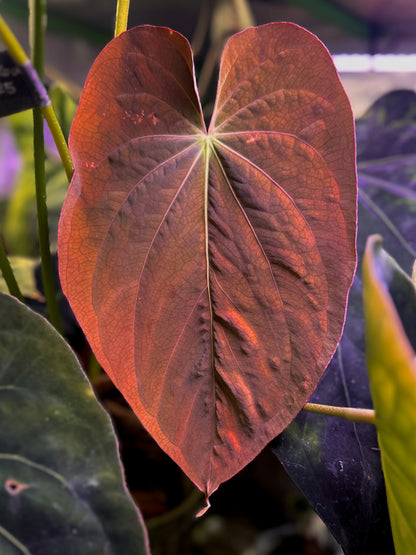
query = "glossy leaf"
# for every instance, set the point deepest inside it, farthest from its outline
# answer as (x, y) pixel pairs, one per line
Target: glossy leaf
(61, 486)
(210, 269)
(356, 515)
(390, 316)
(336, 464)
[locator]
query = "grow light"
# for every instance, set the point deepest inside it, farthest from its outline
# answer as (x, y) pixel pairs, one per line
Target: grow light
(382, 63)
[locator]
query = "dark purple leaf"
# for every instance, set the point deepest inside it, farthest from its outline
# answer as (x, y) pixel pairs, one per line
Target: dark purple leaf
(336, 463)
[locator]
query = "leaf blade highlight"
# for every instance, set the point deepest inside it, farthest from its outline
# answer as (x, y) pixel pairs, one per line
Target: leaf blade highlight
(227, 239)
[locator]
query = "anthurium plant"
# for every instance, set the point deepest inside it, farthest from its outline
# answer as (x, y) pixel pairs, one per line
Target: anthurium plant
(208, 259)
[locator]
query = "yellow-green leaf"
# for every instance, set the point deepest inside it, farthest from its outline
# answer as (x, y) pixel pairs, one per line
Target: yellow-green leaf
(390, 313)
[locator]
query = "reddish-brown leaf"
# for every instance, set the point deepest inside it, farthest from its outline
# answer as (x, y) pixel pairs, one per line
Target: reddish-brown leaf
(210, 270)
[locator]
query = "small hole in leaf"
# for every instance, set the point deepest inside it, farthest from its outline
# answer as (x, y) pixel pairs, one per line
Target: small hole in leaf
(13, 487)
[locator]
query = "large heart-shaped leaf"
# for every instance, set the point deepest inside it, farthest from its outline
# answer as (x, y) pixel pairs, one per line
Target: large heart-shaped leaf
(62, 490)
(390, 321)
(210, 269)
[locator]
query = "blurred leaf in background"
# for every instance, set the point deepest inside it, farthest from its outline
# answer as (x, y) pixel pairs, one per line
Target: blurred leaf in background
(18, 225)
(390, 315)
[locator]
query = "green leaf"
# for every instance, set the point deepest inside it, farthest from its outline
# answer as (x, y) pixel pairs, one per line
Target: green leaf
(61, 486)
(390, 309)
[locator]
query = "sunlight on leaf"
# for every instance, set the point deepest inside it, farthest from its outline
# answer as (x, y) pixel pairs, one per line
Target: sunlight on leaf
(390, 311)
(210, 269)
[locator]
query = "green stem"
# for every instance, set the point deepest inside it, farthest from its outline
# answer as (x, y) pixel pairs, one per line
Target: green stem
(11, 43)
(122, 16)
(244, 14)
(43, 226)
(37, 29)
(366, 416)
(8, 275)
(59, 139)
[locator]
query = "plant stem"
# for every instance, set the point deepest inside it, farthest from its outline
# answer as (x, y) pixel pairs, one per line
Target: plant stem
(37, 29)
(244, 14)
(59, 140)
(11, 43)
(8, 275)
(122, 16)
(366, 416)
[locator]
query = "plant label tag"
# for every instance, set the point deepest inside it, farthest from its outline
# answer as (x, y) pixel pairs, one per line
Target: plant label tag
(20, 87)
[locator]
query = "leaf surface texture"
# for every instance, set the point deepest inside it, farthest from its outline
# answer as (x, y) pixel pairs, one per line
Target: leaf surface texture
(209, 269)
(62, 490)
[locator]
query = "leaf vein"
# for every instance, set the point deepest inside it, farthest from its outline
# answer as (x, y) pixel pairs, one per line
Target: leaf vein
(268, 96)
(239, 85)
(164, 216)
(181, 334)
(155, 169)
(253, 231)
(14, 541)
(41, 467)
